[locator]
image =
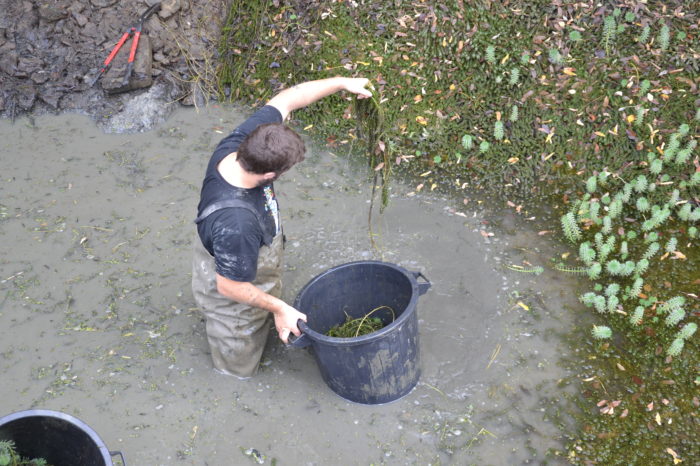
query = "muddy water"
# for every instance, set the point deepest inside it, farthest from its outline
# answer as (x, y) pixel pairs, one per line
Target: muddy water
(98, 321)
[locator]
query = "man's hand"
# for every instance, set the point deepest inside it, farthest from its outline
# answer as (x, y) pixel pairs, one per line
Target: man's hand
(286, 322)
(358, 86)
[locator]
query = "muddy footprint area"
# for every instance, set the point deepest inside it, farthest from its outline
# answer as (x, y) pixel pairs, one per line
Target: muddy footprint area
(98, 320)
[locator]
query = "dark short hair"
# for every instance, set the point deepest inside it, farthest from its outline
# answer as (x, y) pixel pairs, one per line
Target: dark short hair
(272, 147)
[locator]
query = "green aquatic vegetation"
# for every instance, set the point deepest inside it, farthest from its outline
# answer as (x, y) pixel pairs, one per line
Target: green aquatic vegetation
(595, 270)
(676, 347)
(674, 317)
(555, 57)
(612, 289)
(687, 331)
(484, 147)
(644, 35)
(468, 141)
(672, 304)
(514, 76)
(641, 184)
(637, 316)
(651, 251)
(656, 166)
(10, 457)
(636, 288)
(491, 54)
(643, 204)
(575, 36)
(664, 37)
(671, 245)
(586, 253)
(514, 113)
(601, 332)
(639, 116)
(591, 184)
(609, 31)
(498, 130)
(355, 327)
(570, 227)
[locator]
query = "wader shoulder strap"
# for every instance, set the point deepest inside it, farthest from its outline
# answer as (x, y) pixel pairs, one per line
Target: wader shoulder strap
(226, 203)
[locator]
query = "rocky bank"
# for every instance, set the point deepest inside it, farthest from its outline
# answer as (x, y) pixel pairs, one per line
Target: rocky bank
(52, 50)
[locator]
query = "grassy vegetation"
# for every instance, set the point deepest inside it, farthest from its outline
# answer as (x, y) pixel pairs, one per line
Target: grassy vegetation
(592, 106)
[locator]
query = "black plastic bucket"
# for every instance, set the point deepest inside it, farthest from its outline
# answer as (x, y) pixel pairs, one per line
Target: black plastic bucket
(371, 369)
(59, 438)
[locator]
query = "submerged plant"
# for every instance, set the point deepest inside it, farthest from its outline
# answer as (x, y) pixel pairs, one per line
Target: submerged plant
(498, 131)
(491, 54)
(687, 331)
(609, 31)
(676, 347)
(644, 35)
(468, 141)
(514, 76)
(570, 227)
(514, 113)
(637, 315)
(664, 37)
(601, 332)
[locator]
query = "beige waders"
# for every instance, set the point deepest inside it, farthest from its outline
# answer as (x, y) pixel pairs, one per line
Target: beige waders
(236, 332)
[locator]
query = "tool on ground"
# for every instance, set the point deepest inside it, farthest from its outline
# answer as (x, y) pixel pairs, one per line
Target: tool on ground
(134, 30)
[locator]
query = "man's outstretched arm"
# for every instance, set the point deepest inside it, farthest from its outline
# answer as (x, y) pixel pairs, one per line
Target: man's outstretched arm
(306, 93)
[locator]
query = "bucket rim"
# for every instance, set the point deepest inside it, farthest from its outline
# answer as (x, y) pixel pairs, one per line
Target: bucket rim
(28, 413)
(354, 341)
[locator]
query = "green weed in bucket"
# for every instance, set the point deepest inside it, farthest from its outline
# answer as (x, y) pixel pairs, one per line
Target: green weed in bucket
(364, 325)
(9, 456)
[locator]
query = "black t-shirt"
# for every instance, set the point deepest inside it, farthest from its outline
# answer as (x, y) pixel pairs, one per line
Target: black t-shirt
(233, 235)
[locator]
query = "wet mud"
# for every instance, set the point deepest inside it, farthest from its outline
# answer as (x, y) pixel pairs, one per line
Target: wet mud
(98, 319)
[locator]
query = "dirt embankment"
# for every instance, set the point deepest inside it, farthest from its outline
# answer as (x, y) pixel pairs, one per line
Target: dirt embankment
(52, 50)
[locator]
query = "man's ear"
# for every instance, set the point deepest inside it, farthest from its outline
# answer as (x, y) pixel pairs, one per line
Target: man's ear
(269, 176)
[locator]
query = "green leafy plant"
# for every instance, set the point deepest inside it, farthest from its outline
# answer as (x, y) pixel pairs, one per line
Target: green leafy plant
(491, 54)
(601, 332)
(609, 31)
(664, 37)
(498, 130)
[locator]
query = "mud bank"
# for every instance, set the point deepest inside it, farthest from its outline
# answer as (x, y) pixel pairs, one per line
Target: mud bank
(98, 319)
(51, 52)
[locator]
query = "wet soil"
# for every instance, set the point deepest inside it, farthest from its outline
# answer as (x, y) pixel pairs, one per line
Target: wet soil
(98, 319)
(51, 52)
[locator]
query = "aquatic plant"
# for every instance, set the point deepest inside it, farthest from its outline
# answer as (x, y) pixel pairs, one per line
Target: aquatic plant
(591, 184)
(575, 36)
(644, 35)
(570, 227)
(676, 347)
(595, 270)
(514, 76)
(601, 332)
(586, 253)
(555, 56)
(491, 54)
(609, 31)
(484, 147)
(675, 316)
(468, 141)
(664, 37)
(514, 113)
(637, 315)
(671, 245)
(687, 331)
(498, 131)
(672, 304)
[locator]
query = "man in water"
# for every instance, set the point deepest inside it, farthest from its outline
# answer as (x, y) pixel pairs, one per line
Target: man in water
(237, 266)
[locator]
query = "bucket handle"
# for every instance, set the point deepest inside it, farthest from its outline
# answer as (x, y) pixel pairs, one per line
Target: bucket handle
(299, 341)
(121, 457)
(422, 287)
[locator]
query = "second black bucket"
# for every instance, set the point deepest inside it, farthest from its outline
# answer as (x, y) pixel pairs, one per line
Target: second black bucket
(58, 438)
(371, 369)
